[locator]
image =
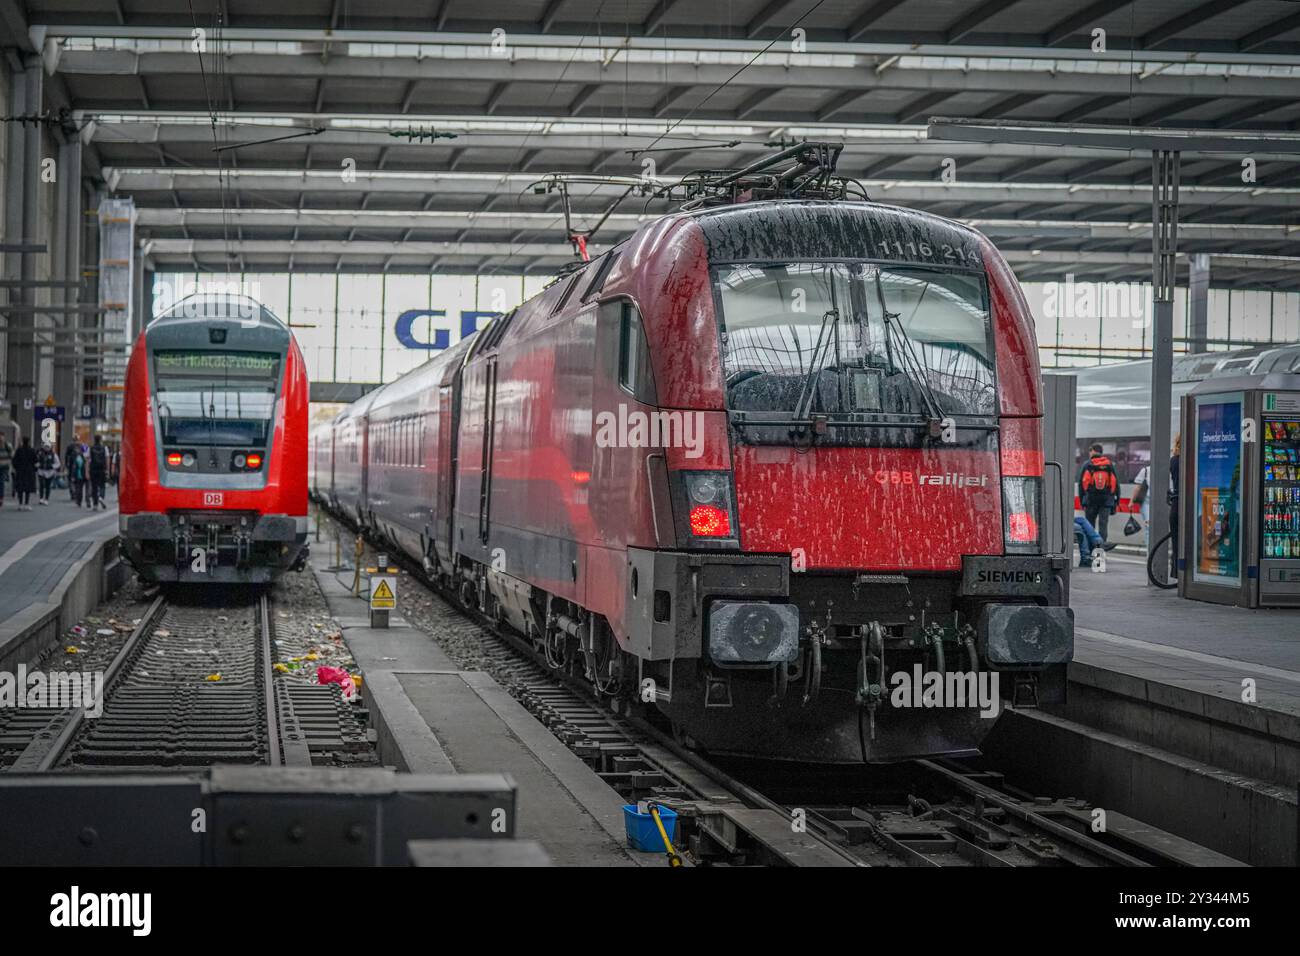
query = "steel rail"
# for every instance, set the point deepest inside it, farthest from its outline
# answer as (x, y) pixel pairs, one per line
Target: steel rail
(274, 756)
(48, 745)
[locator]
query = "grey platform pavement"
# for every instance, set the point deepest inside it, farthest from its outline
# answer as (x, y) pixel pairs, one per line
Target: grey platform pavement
(57, 562)
(433, 718)
(1175, 700)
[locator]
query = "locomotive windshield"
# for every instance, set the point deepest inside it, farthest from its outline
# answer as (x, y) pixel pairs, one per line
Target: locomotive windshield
(215, 398)
(861, 341)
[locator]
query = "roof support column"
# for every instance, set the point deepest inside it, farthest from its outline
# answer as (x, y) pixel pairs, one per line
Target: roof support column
(69, 388)
(1198, 294)
(22, 208)
(1164, 247)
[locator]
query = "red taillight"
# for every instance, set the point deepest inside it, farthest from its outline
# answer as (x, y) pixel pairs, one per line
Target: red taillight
(174, 459)
(710, 521)
(254, 461)
(1022, 528)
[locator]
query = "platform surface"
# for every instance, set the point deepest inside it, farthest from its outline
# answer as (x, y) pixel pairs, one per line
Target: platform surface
(443, 719)
(1122, 623)
(38, 547)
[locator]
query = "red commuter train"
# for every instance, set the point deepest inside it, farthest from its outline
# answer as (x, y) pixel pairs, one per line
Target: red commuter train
(761, 465)
(213, 483)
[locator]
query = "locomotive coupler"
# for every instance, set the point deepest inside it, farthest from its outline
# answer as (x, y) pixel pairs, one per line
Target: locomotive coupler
(871, 692)
(214, 545)
(813, 676)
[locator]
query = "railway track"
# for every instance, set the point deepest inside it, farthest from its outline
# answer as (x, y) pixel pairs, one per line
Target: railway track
(923, 813)
(193, 685)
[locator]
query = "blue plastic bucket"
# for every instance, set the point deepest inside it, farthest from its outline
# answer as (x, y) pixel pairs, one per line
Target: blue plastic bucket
(642, 834)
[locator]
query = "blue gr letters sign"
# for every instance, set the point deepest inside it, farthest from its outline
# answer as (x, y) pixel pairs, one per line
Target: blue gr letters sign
(441, 337)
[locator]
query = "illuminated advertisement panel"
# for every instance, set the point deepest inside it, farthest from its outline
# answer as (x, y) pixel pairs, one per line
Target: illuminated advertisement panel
(1218, 490)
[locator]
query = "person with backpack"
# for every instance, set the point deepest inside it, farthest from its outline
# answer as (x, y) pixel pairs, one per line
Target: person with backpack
(98, 473)
(74, 447)
(6, 463)
(47, 468)
(77, 476)
(1098, 490)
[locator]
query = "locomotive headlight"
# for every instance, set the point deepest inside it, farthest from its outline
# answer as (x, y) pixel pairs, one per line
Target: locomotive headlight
(239, 461)
(254, 461)
(174, 459)
(709, 511)
(1022, 510)
(706, 488)
(187, 460)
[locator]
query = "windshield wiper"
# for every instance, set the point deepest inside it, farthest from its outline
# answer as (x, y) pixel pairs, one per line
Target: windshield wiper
(911, 364)
(806, 394)
(210, 414)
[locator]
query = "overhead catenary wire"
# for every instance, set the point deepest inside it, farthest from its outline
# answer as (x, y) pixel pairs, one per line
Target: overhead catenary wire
(212, 114)
(752, 60)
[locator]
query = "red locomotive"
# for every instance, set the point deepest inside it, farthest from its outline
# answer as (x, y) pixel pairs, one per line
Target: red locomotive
(214, 445)
(762, 464)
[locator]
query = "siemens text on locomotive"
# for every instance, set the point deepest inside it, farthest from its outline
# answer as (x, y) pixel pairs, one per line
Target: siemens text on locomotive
(752, 464)
(214, 445)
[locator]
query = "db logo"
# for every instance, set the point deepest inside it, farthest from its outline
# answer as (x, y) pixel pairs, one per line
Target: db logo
(213, 499)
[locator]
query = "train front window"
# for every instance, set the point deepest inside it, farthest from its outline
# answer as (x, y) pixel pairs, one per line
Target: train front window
(855, 340)
(215, 398)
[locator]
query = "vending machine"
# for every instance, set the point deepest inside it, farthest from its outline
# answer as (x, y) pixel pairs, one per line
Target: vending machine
(1239, 502)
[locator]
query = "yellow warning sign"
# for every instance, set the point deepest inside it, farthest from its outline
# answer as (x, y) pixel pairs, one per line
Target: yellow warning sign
(382, 595)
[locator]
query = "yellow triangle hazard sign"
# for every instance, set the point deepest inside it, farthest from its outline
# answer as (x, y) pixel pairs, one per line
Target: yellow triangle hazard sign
(383, 592)
(382, 595)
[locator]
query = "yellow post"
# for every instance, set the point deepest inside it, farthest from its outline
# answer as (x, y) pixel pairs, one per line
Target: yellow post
(356, 577)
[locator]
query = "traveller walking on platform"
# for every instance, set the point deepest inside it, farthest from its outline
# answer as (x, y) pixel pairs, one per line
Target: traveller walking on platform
(25, 474)
(77, 477)
(6, 465)
(73, 448)
(1175, 457)
(1141, 502)
(1098, 490)
(47, 467)
(98, 473)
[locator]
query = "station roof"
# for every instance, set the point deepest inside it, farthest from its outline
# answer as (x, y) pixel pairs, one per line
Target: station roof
(518, 88)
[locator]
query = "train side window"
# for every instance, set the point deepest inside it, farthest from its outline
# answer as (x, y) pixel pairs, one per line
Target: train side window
(634, 356)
